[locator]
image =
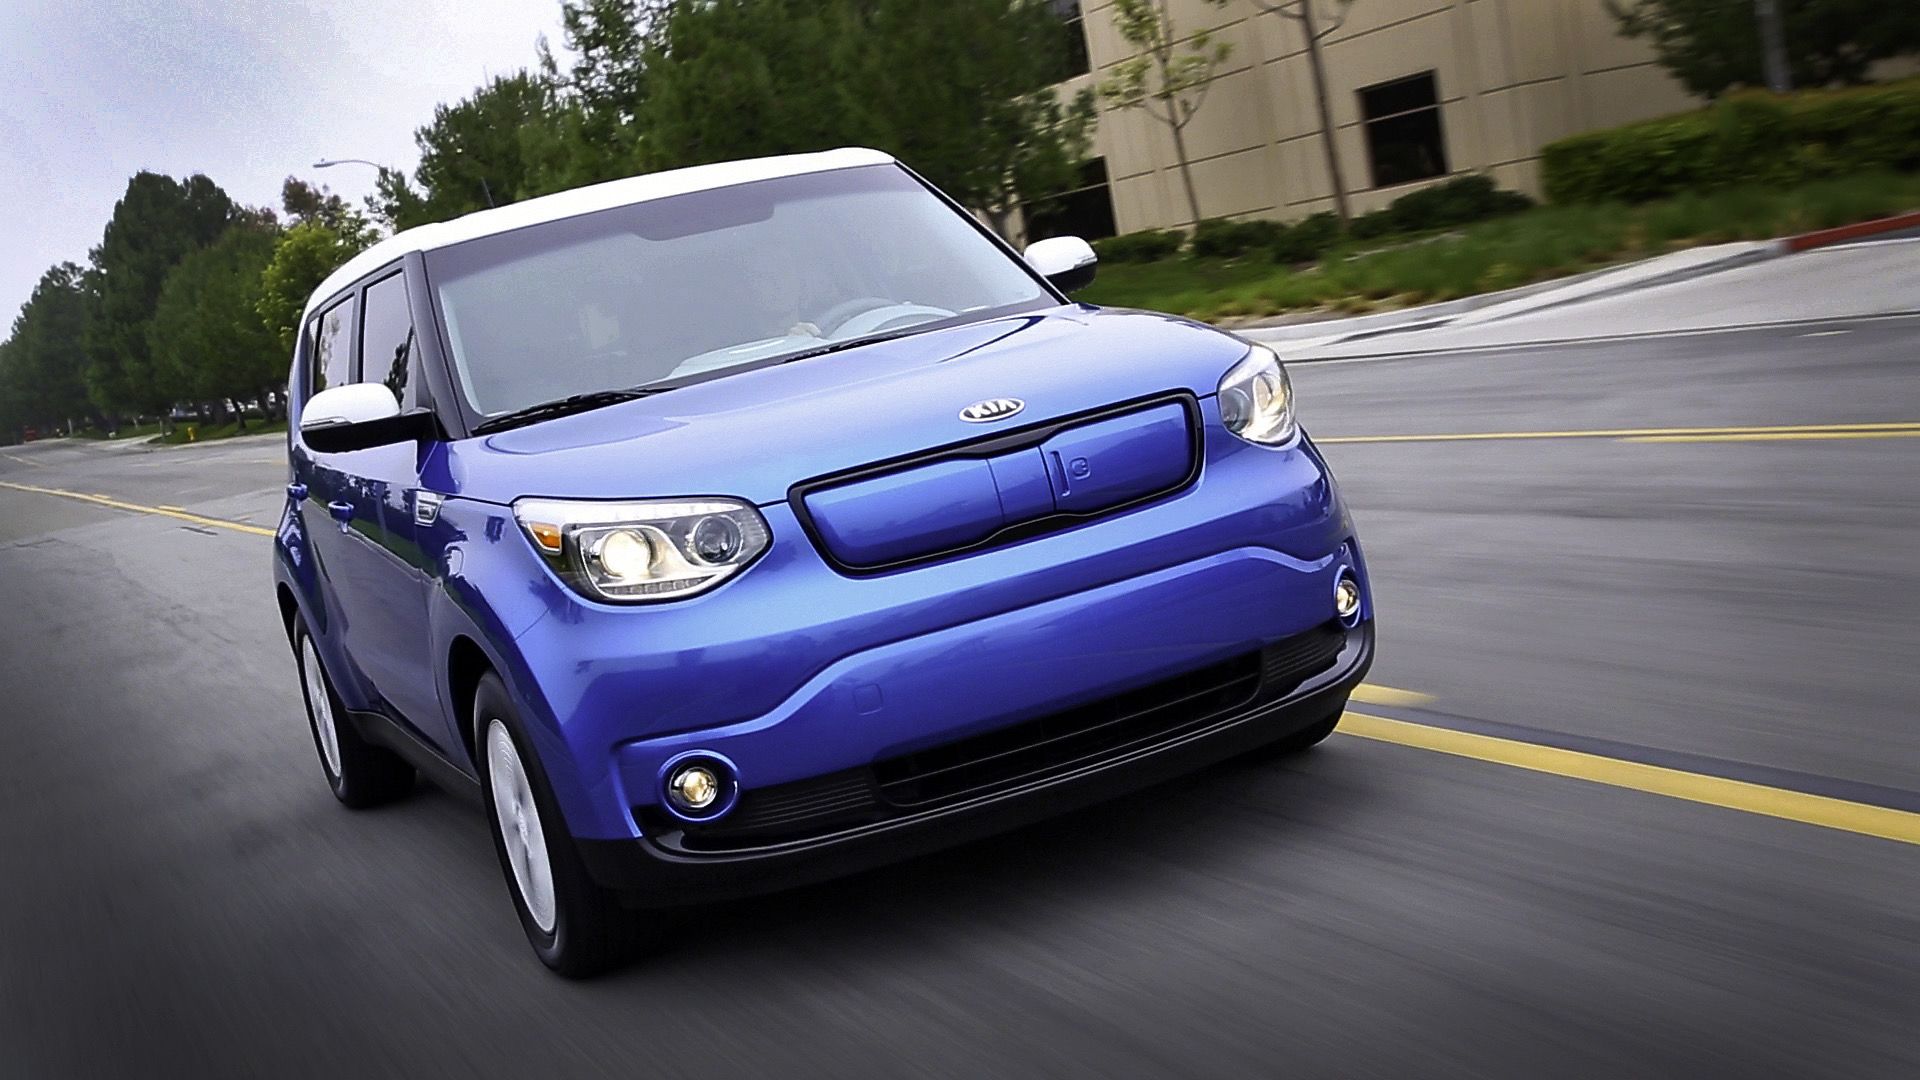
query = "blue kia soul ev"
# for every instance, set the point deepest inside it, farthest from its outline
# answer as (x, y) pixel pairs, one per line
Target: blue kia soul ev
(735, 527)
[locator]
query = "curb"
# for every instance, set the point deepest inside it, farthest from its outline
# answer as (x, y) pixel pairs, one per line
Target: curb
(1845, 233)
(1464, 310)
(1452, 312)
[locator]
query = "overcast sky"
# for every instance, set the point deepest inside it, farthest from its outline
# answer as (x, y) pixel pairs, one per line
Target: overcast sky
(246, 91)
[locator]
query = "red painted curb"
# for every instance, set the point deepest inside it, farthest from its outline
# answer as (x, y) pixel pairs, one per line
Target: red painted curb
(1824, 237)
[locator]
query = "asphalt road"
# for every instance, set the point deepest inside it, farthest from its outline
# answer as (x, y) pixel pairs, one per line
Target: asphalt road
(182, 896)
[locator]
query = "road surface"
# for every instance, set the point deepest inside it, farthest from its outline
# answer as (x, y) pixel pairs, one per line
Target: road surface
(1489, 875)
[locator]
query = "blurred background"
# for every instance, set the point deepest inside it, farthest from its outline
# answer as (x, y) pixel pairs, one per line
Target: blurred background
(1606, 312)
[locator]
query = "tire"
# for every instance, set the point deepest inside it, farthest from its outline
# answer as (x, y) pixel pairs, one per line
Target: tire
(577, 927)
(360, 774)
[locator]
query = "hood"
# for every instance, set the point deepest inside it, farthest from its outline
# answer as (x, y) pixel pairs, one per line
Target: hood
(756, 434)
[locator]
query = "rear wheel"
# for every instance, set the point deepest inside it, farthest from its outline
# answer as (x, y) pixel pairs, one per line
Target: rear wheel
(360, 773)
(576, 926)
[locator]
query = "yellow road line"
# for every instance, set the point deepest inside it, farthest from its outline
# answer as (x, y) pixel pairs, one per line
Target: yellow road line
(1778, 436)
(1647, 434)
(1774, 802)
(1369, 694)
(137, 508)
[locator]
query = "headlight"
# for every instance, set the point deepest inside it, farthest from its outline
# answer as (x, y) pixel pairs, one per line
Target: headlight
(1256, 399)
(632, 552)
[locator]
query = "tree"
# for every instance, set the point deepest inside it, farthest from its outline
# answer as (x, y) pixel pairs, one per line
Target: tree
(13, 410)
(1302, 12)
(1168, 77)
(158, 222)
(207, 336)
(45, 357)
(479, 152)
(304, 202)
(602, 90)
(1040, 155)
(968, 99)
(1715, 45)
(958, 89)
(302, 258)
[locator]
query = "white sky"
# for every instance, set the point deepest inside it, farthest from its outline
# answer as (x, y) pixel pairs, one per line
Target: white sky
(246, 91)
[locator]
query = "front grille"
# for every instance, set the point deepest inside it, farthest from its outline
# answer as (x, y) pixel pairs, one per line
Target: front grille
(1052, 744)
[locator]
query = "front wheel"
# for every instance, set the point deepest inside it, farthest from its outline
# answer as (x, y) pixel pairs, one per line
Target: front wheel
(576, 926)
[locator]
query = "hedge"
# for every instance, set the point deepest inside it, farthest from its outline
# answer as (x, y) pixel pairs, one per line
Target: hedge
(1750, 138)
(1459, 201)
(1145, 246)
(1308, 239)
(1221, 239)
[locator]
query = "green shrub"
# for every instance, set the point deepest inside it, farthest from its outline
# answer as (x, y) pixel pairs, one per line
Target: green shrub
(1459, 201)
(1373, 226)
(1218, 238)
(1146, 246)
(1753, 138)
(1308, 239)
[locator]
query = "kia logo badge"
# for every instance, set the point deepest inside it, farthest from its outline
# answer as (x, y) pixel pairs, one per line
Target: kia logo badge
(986, 412)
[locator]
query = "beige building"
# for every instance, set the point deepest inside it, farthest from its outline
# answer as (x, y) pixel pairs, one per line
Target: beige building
(1420, 89)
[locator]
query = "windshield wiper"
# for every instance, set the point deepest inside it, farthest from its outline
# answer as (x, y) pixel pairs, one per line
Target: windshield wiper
(566, 406)
(856, 342)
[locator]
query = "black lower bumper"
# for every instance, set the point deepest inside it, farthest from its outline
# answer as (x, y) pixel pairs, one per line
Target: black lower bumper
(656, 873)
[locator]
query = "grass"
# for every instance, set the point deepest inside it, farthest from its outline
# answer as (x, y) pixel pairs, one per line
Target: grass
(136, 431)
(192, 431)
(1538, 245)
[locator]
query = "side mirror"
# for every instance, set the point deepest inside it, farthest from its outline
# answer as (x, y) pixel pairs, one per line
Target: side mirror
(360, 416)
(1067, 261)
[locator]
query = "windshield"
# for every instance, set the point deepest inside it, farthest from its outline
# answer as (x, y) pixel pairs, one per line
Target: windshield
(698, 284)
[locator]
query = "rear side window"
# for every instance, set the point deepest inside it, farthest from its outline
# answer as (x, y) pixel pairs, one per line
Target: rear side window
(332, 360)
(387, 351)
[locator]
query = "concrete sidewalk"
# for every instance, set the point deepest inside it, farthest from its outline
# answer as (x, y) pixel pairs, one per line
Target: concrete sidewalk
(1729, 285)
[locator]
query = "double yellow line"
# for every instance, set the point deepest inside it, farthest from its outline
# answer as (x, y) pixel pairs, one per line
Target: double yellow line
(1902, 429)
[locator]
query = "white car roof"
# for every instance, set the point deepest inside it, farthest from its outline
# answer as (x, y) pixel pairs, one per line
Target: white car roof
(585, 200)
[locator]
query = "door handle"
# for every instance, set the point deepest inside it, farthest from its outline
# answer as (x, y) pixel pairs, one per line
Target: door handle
(342, 511)
(297, 492)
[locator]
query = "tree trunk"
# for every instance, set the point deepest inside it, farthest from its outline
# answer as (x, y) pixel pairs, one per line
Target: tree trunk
(1186, 172)
(1318, 66)
(1001, 222)
(1773, 46)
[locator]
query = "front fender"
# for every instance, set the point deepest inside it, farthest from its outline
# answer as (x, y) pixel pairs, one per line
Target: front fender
(492, 590)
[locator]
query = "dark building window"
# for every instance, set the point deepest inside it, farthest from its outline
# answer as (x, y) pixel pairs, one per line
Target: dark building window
(1404, 138)
(1073, 25)
(1085, 210)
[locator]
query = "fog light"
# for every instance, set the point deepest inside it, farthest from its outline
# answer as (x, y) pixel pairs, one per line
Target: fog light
(1346, 598)
(694, 788)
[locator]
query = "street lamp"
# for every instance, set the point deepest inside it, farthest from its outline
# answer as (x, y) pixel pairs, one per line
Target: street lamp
(485, 188)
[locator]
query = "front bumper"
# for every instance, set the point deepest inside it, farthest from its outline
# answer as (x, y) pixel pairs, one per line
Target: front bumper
(672, 866)
(796, 671)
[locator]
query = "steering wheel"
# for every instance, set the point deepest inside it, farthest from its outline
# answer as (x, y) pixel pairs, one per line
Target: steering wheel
(832, 319)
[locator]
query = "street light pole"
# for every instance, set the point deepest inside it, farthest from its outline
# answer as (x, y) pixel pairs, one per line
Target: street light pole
(1773, 46)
